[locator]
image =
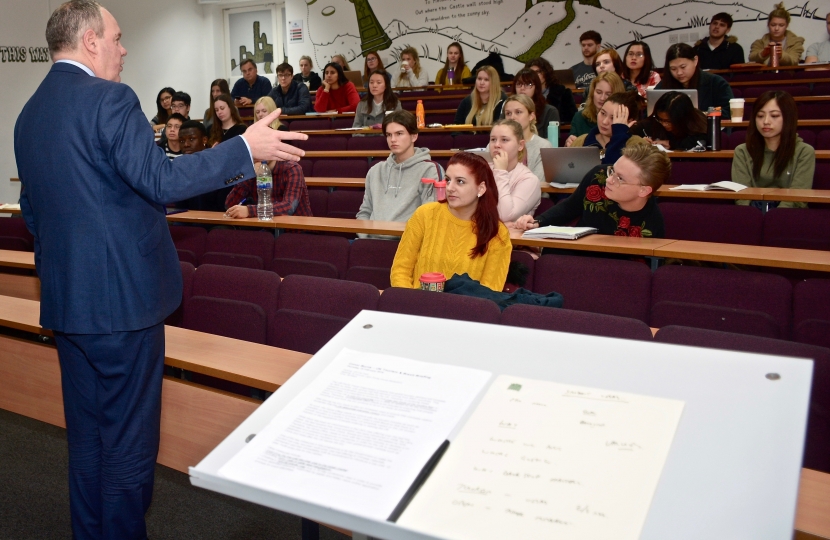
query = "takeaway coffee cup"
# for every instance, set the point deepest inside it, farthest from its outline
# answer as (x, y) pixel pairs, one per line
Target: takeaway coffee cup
(433, 281)
(736, 107)
(404, 65)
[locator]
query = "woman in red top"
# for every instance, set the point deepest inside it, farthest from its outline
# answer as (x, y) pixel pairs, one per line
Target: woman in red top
(337, 94)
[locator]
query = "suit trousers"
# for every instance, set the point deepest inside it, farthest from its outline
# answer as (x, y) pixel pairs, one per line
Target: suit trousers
(112, 403)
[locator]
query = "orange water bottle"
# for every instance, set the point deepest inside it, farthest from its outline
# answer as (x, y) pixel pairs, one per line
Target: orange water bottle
(419, 114)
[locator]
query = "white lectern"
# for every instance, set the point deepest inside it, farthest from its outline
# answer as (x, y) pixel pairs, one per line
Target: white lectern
(735, 461)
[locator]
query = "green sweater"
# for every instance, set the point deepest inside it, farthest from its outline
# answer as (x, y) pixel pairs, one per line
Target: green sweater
(799, 173)
(580, 125)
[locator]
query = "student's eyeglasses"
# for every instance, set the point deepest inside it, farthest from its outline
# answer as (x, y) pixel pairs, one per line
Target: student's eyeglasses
(663, 121)
(611, 175)
(632, 54)
(285, 75)
(524, 85)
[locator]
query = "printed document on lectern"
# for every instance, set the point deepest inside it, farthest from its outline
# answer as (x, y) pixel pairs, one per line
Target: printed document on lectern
(357, 437)
(540, 459)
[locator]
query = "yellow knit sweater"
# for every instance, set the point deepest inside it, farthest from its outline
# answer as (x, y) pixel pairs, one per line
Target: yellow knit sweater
(437, 241)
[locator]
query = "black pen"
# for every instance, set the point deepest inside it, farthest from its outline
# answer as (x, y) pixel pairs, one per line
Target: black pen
(418, 482)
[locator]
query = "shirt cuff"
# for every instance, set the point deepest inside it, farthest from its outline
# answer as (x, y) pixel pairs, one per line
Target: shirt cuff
(248, 146)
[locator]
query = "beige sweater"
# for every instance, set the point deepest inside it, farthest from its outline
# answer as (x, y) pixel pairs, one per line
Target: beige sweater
(789, 56)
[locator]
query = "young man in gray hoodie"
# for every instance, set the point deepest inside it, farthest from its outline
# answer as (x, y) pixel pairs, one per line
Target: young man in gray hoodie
(393, 187)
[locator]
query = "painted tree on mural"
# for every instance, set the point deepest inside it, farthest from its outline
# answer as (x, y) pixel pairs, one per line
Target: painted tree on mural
(552, 32)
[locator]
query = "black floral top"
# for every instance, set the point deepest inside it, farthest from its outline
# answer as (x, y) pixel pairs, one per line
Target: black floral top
(589, 205)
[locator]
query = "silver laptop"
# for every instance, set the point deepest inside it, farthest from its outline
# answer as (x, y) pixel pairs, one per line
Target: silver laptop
(653, 95)
(568, 165)
(357, 79)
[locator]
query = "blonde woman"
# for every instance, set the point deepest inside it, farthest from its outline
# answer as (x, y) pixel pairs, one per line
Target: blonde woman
(520, 108)
(412, 74)
(791, 45)
(484, 103)
(265, 106)
(602, 87)
(518, 187)
(340, 59)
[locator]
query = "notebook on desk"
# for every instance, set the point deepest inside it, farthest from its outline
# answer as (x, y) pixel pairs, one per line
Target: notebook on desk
(568, 165)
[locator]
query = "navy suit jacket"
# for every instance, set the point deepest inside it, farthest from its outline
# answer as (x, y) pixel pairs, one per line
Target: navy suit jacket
(93, 188)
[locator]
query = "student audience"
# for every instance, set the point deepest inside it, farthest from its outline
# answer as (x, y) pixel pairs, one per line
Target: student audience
(616, 200)
(527, 83)
(460, 235)
(289, 95)
(217, 88)
(251, 86)
(674, 123)
(518, 186)
(340, 60)
(193, 137)
(228, 123)
(584, 71)
(289, 195)
(774, 156)
(638, 68)
(792, 46)
(181, 104)
(612, 134)
(521, 109)
(309, 78)
(412, 73)
(682, 71)
(338, 94)
(393, 187)
(609, 61)
(601, 89)
(265, 106)
(372, 63)
(484, 103)
(164, 100)
(377, 103)
(555, 93)
(719, 50)
(172, 146)
(819, 51)
(455, 68)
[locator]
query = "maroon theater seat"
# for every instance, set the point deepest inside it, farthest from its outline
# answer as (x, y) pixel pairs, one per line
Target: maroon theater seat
(817, 447)
(190, 242)
(435, 141)
(700, 172)
(311, 310)
(370, 261)
(368, 143)
(345, 203)
(724, 223)
(310, 124)
(439, 305)
(177, 317)
(318, 198)
(811, 314)
(310, 255)
(575, 322)
(750, 303)
(608, 286)
(341, 168)
(321, 143)
(14, 235)
(245, 249)
(798, 228)
(465, 140)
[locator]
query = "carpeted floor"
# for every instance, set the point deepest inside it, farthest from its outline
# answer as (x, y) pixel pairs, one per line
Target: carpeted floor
(34, 496)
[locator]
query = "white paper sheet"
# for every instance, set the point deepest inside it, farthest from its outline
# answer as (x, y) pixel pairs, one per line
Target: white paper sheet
(358, 435)
(539, 459)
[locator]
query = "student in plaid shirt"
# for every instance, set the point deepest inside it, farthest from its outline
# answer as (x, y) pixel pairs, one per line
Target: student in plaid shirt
(289, 196)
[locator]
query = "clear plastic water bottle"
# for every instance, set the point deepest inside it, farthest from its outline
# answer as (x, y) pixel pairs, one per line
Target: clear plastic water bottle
(264, 184)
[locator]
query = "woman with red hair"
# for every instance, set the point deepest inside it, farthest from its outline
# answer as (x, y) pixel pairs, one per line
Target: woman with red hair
(461, 234)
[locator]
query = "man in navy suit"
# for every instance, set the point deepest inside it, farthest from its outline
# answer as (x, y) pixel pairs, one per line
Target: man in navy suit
(108, 269)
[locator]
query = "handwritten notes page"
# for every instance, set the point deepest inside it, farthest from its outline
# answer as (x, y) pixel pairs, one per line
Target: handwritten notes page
(356, 437)
(539, 459)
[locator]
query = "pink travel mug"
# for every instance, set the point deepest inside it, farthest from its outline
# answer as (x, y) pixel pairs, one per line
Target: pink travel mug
(440, 188)
(433, 281)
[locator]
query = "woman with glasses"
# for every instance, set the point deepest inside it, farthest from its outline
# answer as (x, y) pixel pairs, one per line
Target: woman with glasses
(612, 134)
(527, 83)
(164, 103)
(600, 90)
(639, 67)
(556, 94)
(371, 64)
(674, 123)
(615, 200)
(790, 46)
(682, 71)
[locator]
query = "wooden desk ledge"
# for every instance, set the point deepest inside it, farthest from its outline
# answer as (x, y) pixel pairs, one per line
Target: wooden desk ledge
(252, 364)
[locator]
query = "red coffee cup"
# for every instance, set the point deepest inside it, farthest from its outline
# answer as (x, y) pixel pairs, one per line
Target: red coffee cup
(433, 281)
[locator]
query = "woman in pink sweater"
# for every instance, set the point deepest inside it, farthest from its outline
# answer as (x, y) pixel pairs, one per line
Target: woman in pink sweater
(337, 94)
(518, 187)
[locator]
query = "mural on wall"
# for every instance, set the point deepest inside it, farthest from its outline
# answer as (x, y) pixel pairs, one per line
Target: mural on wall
(251, 29)
(520, 30)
